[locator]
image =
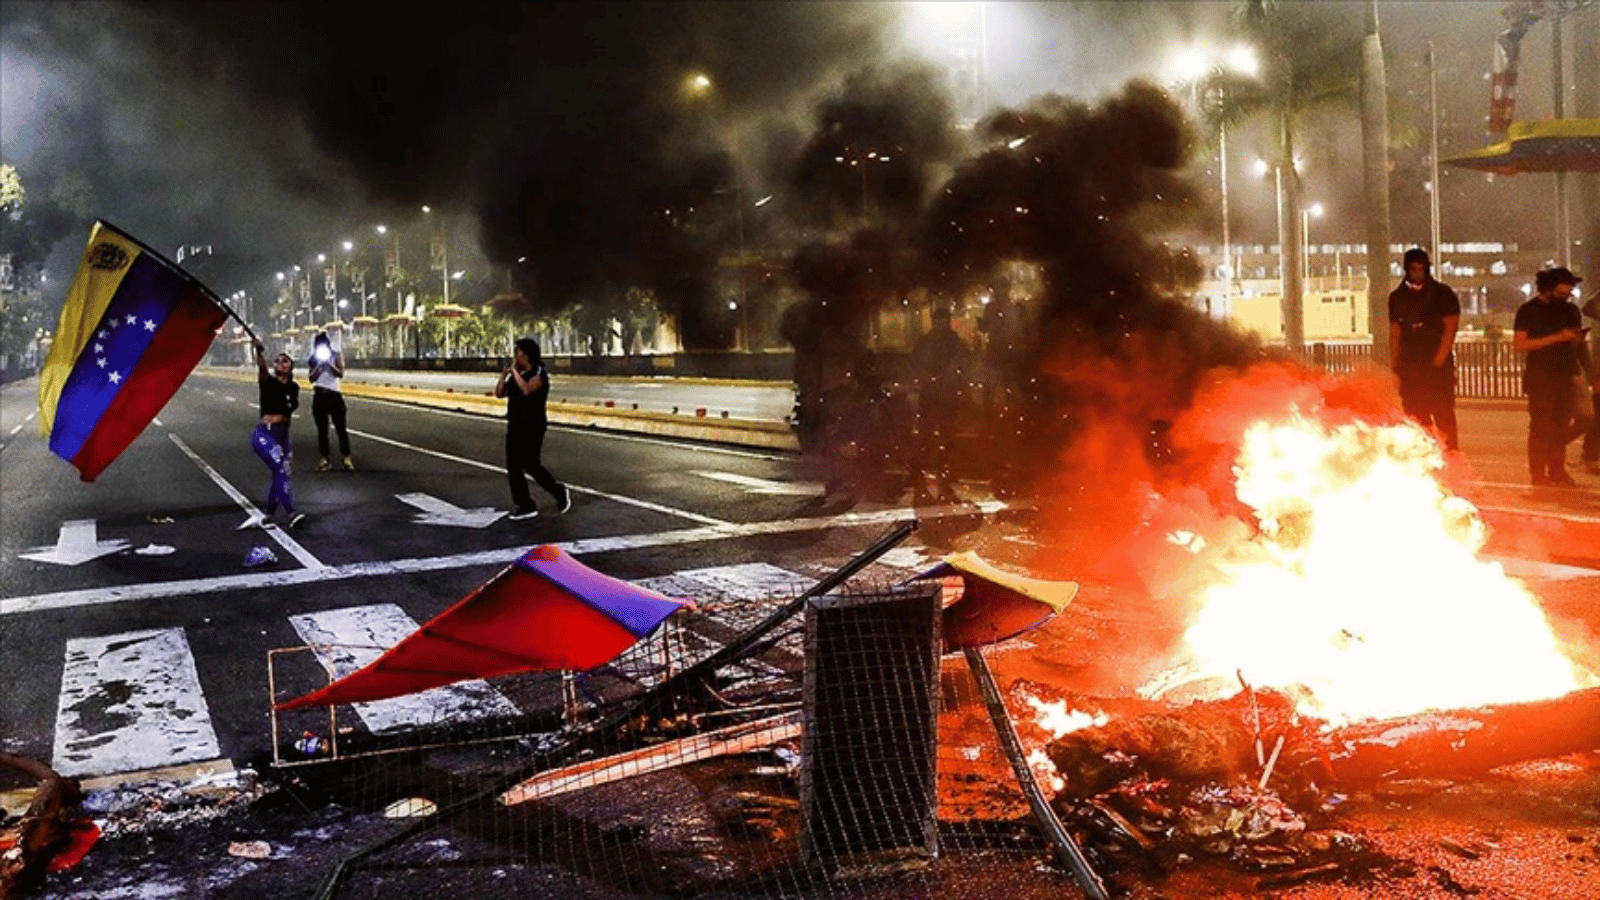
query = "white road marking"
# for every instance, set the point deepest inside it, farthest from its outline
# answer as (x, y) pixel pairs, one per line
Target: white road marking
(131, 701)
(16, 429)
(78, 543)
(441, 512)
(256, 581)
(347, 639)
(765, 486)
(751, 581)
(289, 544)
(914, 558)
(642, 504)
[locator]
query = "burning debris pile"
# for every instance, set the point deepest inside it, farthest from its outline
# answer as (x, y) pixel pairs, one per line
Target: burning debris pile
(1342, 643)
(1249, 780)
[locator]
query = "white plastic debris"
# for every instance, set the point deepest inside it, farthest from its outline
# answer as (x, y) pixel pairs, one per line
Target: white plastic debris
(250, 849)
(410, 807)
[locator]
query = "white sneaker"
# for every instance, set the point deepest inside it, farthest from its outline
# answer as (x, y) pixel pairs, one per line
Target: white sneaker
(255, 521)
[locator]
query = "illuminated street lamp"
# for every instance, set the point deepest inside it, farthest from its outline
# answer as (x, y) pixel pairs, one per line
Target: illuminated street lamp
(1190, 67)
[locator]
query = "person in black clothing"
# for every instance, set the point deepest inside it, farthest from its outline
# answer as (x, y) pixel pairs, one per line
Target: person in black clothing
(526, 387)
(1423, 317)
(280, 397)
(1550, 330)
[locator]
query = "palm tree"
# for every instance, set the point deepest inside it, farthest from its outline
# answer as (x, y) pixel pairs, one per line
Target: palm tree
(1305, 67)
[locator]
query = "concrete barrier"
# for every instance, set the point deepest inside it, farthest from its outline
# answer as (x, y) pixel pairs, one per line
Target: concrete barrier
(699, 427)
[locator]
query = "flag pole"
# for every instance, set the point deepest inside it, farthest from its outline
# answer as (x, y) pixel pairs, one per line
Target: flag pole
(146, 248)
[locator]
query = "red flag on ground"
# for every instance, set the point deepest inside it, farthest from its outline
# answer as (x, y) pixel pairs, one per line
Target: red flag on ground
(546, 611)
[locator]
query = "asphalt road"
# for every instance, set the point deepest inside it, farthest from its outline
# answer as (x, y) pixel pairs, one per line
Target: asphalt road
(133, 636)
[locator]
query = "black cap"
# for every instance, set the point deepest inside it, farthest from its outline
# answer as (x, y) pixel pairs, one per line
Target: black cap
(1416, 254)
(1549, 278)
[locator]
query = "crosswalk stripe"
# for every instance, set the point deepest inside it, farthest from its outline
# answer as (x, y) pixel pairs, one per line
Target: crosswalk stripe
(346, 639)
(751, 581)
(133, 701)
(129, 702)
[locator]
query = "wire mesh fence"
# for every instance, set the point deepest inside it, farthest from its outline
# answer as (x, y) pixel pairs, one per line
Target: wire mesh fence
(803, 745)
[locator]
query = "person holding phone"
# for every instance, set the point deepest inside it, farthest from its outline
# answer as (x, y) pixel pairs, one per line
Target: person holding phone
(1549, 329)
(327, 399)
(526, 387)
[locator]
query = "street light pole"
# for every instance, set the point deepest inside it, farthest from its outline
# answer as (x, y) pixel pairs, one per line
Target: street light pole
(1433, 193)
(1314, 210)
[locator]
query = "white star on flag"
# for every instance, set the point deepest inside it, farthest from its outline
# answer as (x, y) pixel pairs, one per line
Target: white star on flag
(104, 333)
(101, 362)
(149, 325)
(133, 320)
(99, 348)
(116, 378)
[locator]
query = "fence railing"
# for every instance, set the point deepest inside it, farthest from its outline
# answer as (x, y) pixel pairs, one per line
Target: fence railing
(1484, 369)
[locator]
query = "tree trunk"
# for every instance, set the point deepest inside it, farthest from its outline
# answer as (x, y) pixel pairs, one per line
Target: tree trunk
(1375, 152)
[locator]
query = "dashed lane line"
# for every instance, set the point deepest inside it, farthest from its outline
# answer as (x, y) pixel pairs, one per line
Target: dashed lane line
(630, 501)
(289, 544)
(257, 581)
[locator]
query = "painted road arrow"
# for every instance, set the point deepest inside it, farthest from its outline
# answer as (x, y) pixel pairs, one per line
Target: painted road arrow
(763, 486)
(79, 542)
(438, 512)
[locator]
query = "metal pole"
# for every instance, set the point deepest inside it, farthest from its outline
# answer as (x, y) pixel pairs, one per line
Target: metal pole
(1433, 193)
(1559, 96)
(1227, 240)
(1067, 849)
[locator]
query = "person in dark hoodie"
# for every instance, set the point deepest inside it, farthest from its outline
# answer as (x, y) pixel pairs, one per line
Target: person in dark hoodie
(1423, 317)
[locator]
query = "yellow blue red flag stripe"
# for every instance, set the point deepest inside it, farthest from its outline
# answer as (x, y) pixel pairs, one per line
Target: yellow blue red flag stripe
(131, 330)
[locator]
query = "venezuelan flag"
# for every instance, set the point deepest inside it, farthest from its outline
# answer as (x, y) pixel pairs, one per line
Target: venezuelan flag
(132, 329)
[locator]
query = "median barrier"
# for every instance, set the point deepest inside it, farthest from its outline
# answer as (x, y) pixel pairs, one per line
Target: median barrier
(737, 432)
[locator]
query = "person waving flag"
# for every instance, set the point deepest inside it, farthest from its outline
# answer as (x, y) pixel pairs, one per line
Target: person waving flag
(132, 329)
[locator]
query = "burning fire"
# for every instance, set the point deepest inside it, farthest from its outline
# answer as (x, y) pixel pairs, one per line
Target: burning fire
(1362, 592)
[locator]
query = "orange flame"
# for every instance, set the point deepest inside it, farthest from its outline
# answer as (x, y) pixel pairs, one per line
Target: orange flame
(1362, 591)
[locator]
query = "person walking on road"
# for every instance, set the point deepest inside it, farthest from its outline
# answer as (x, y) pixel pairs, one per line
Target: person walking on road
(1423, 317)
(280, 397)
(1549, 329)
(327, 399)
(526, 387)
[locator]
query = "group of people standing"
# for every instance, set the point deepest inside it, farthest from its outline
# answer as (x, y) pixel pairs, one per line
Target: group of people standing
(1561, 382)
(525, 384)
